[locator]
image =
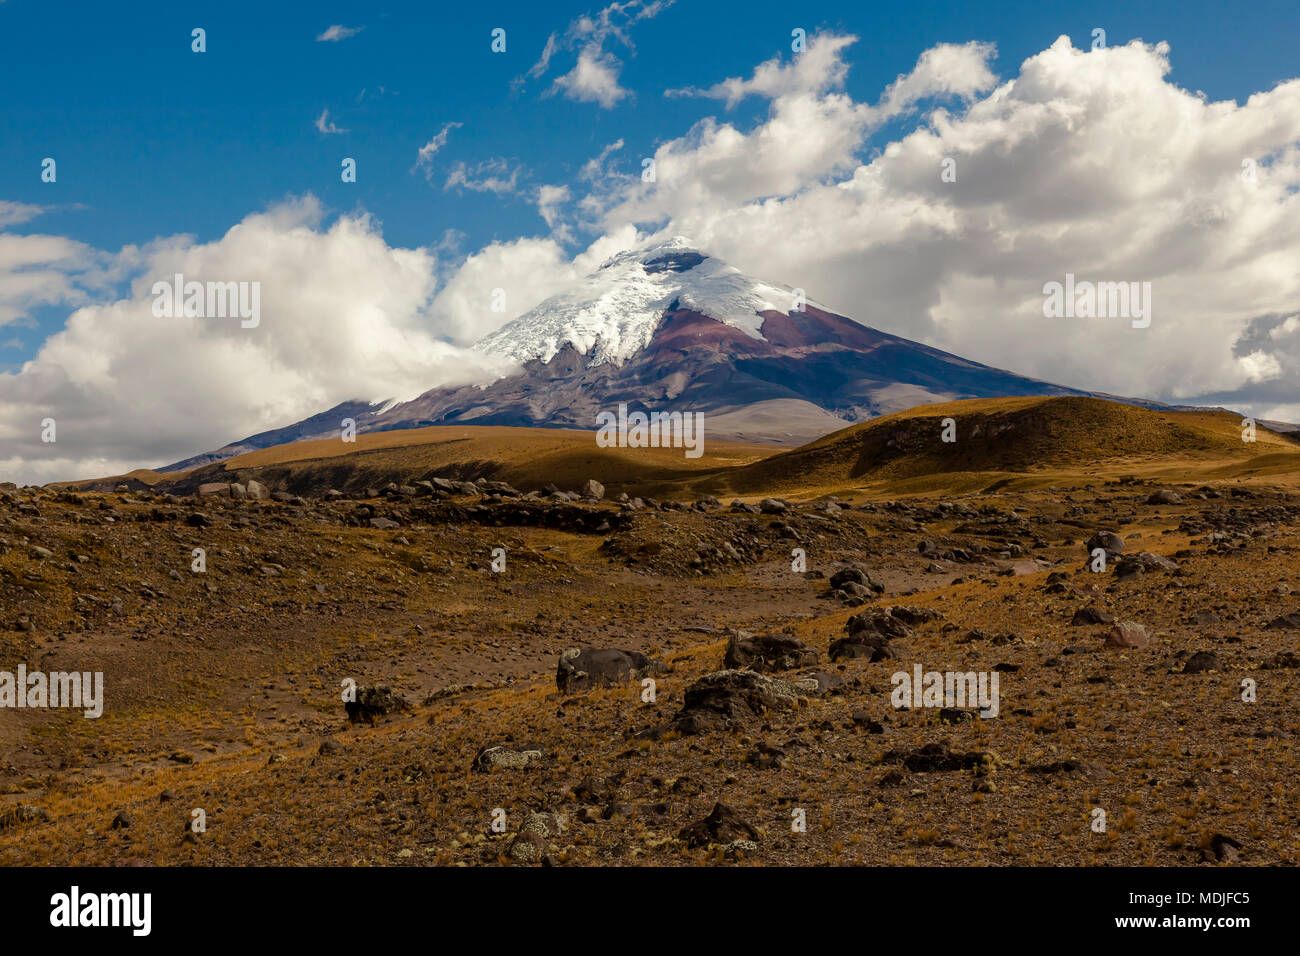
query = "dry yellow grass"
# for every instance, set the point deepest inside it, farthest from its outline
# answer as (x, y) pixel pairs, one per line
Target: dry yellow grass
(1002, 444)
(1017, 443)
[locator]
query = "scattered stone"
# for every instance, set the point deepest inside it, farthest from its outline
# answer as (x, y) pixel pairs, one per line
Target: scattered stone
(725, 698)
(1091, 615)
(1088, 769)
(767, 652)
(1221, 848)
(1142, 563)
(879, 621)
(1128, 634)
(937, 758)
(1108, 541)
(580, 670)
(1202, 661)
(503, 757)
(373, 702)
(723, 826)
(855, 575)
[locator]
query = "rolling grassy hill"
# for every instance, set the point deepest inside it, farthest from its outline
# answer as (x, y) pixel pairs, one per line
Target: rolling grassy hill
(1023, 441)
(1004, 442)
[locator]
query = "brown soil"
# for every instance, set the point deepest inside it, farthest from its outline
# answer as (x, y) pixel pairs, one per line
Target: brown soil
(221, 687)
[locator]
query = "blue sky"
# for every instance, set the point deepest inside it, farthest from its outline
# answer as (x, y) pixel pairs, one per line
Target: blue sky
(1121, 160)
(152, 139)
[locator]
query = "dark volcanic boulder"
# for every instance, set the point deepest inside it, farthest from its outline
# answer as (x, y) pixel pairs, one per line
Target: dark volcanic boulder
(870, 632)
(1091, 615)
(580, 670)
(374, 702)
(1202, 661)
(912, 616)
(727, 698)
(1108, 541)
(873, 647)
(878, 621)
(724, 825)
(767, 652)
(937, 758)
(855, 575)
(1143, 562)
(1165, 496)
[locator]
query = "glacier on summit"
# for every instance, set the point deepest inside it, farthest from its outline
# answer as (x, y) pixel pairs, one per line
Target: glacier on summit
(613, 313)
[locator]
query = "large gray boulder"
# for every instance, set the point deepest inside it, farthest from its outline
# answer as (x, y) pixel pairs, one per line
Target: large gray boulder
(580, 670)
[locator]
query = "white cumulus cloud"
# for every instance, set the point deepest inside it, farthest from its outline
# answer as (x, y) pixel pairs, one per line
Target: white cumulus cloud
(343, 316)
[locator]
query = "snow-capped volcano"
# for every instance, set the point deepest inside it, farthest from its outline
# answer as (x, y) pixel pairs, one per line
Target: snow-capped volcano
(614, 313)
(672, 328)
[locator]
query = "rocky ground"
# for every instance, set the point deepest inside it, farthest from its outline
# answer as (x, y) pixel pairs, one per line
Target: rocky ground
(1162, 690)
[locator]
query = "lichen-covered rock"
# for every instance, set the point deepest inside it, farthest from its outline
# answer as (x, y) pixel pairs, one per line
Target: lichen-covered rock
(531, 844)
(508, 757)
